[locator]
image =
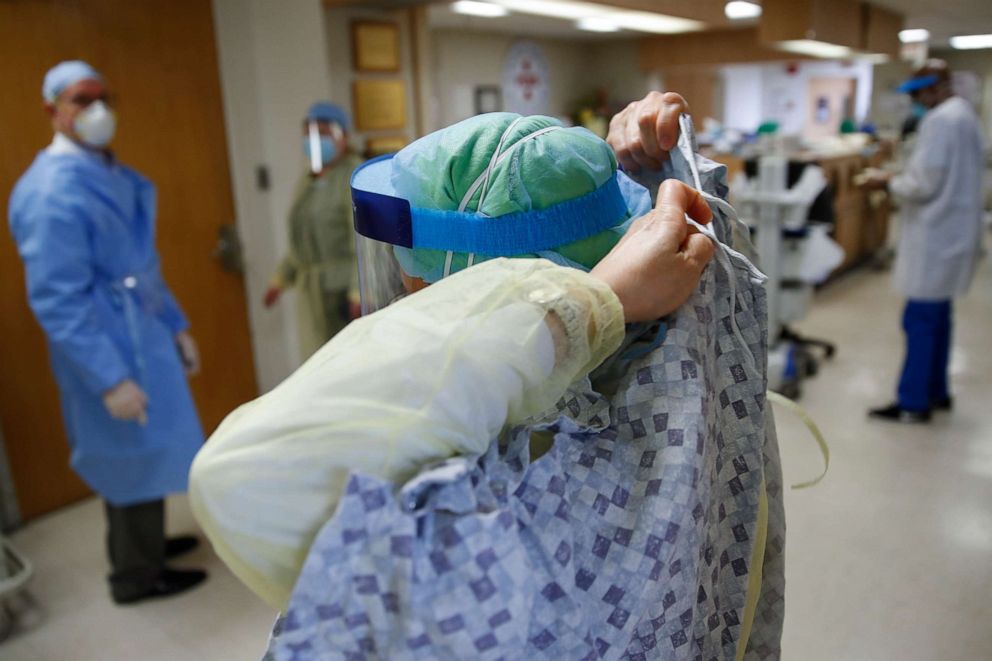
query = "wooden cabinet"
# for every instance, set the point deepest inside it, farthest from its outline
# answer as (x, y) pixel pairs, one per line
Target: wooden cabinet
(861, 219)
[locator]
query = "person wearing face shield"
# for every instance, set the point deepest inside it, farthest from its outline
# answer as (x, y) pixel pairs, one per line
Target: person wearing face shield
(940, 237)
(119, 345)
(320, 261)
(547, 430)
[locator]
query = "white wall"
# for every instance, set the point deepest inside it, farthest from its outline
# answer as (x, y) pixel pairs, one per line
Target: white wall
(768, 91)
(978, 62)
(889, 109)
(273, 66)
(464, 59)
(616, 67)
(743, 105)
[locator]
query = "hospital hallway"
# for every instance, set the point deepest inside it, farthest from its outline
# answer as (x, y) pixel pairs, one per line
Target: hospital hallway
(887, 559)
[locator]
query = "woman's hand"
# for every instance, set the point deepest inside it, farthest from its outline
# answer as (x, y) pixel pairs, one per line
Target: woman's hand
(657, 264)
(645, 131)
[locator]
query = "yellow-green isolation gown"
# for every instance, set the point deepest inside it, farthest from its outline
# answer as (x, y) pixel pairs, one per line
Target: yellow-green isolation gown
(320, 262)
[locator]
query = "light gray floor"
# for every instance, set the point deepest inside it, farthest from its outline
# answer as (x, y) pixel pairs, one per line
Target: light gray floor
(219, 621)
(889, 558)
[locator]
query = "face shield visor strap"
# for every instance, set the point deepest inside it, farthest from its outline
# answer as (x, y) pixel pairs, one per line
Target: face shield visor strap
(384, 217)
(385, 221)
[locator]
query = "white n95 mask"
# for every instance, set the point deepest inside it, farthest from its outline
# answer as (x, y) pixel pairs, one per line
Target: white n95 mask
(95, 124)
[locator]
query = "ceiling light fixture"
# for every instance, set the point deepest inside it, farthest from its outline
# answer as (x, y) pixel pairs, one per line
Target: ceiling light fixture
(913, 35)
(969, 41)
(815, 48)
(597, 24)
(738, 10)
(474, 8)
(644, 21)
(567, 10)
(875, 58)
(641, 21)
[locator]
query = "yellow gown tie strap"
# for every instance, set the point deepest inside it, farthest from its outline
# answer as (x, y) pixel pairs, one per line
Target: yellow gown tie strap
(813, 429)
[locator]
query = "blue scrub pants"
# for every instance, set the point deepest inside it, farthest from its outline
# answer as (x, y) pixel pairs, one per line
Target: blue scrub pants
(928, 347)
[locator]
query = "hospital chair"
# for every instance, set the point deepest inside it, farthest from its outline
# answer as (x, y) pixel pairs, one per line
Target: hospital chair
(16, 605)
(15, 571)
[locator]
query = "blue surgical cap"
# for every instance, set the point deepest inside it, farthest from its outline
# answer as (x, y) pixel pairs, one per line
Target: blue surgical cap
(325, 111)
(63, 75)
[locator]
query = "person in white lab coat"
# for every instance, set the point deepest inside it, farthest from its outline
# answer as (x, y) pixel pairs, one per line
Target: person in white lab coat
(940, 194)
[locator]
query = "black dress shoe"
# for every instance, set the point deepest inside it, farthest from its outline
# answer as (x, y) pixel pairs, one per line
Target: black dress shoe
(168, 583)
(896, 413)
(176, 546)
(945, 404)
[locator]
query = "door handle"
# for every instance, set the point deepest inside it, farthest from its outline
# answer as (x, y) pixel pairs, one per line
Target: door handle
(228, 249)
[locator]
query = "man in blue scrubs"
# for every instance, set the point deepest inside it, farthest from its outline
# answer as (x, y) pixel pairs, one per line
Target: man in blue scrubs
(118, 342)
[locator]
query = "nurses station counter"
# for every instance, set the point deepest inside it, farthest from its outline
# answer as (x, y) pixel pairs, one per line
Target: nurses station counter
(860, 218)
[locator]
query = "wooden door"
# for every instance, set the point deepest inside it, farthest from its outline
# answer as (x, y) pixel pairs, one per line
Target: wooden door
(160, 61)
(829, 102)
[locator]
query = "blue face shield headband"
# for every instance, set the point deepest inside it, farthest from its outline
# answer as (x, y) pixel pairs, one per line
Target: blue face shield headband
(383, 216)
(918, 83)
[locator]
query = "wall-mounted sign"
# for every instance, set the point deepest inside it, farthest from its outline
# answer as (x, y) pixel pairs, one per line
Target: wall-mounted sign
(385, 145)
(379, 104)
(525, 79)
(375, 46)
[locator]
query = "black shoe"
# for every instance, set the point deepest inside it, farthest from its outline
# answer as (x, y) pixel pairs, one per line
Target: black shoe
(168, 583)
(176, 546)
(945, 404)
(896, 413)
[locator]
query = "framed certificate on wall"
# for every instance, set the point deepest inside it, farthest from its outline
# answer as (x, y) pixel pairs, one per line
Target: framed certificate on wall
(379, 104)
(385, 145)
(375, 47)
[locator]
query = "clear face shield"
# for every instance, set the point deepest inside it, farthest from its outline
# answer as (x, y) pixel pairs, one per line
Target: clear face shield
(321, 148)
(401, 248)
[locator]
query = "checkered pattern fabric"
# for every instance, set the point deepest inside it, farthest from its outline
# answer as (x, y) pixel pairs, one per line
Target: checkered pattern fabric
(631, 538)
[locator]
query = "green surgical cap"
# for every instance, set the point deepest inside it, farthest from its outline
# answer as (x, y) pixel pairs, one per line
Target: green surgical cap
(438, 171)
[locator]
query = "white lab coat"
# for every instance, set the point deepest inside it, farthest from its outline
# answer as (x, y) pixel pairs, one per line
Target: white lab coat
(940, 193)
